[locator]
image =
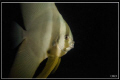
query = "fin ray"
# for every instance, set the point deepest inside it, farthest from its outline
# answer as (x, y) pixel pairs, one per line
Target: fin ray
(25, 63)
(32, 11)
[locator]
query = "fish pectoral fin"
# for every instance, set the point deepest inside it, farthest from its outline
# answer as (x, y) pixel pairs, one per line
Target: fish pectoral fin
(57, 65)
(50, 65)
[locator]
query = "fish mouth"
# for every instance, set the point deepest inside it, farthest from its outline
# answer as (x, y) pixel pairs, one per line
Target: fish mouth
(70, 47)
(65, 50)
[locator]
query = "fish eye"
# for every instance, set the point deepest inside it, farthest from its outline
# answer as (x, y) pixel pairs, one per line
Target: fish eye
(66, 37)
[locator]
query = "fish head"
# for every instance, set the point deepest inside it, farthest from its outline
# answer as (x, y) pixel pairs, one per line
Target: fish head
(66, 42)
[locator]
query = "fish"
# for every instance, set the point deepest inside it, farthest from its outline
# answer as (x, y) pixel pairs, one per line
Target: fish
(46, 36)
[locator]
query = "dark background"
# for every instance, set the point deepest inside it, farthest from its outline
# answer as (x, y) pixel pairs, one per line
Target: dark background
(95, 30)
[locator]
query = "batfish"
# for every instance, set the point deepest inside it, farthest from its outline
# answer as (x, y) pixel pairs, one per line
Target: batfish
(46, 35)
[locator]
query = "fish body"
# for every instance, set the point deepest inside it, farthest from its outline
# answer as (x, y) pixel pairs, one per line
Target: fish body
(46, 35)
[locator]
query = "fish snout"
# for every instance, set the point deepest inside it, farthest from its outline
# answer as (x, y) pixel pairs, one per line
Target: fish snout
(72, 44)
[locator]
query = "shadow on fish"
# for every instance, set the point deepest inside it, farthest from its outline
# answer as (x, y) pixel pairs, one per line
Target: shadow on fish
(46, 35)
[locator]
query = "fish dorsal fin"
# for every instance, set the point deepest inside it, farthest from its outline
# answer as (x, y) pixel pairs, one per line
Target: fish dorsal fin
(31, 11)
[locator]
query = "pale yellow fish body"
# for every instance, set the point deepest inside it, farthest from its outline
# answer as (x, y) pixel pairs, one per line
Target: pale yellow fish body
(47, 35)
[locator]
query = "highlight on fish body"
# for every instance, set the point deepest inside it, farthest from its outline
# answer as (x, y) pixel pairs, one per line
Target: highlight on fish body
(46, 35)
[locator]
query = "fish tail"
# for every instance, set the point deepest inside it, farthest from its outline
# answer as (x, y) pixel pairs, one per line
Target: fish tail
(17, 34)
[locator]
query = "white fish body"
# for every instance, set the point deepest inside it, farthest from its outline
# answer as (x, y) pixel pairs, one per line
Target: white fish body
(43, 38)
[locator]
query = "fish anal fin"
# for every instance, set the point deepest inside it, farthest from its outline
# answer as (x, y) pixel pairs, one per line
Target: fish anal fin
(25, 63)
